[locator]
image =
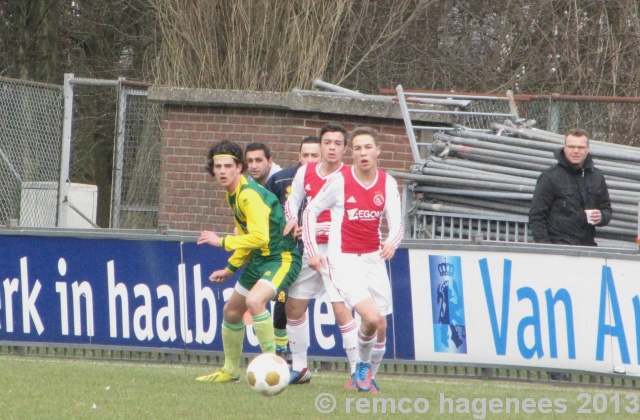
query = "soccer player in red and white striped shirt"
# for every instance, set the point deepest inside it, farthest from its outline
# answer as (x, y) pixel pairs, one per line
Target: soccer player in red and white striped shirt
(311, 284)
(356, 254)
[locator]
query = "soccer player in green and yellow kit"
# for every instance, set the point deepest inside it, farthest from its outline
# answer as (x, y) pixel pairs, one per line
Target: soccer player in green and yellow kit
(272, 261)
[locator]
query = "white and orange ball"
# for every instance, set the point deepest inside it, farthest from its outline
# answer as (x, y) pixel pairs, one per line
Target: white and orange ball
(268, 374)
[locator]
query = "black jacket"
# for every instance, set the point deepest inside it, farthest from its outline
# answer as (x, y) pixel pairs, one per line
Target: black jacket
(562, 193)
(280, 184)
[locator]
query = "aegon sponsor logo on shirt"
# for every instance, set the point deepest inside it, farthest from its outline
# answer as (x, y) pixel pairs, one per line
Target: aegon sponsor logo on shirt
(357, 214)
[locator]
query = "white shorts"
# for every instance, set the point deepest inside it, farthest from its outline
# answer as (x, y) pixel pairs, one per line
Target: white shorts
(243, 291)
(359, 276)
(311, 285)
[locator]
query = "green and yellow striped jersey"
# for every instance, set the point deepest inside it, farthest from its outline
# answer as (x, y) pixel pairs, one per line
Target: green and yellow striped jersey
(260, 222)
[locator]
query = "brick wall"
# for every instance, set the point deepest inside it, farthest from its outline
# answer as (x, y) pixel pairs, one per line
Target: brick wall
(190, 199)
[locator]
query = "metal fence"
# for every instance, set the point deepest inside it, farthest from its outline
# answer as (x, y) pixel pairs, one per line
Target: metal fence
(69, 152)
(609, 119)
(136, 174)
(30, 142)
(606, 118)
(121, 136)
(435, 225)
(115, 138)
(467, 184)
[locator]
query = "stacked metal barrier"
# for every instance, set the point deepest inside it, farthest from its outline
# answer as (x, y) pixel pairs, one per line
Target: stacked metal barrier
(472, 176)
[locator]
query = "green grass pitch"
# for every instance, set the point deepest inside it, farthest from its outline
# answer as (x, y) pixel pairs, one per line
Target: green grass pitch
(36, 387)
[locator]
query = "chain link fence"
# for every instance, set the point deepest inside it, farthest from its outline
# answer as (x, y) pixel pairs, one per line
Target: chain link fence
(606, 118)
(114, 153)
(610, 119)
(481, 113)
(137, 161)
(30, 141)
(116, 141)
(116, 145)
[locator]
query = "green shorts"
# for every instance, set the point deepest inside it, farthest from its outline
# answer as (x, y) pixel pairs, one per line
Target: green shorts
(281, 270)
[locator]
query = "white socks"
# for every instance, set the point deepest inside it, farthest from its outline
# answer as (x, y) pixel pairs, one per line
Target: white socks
(365, 346)
(298, 332)
(376, 357)
(350, 343)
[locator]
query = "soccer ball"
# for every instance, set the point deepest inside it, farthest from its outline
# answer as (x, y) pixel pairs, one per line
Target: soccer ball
(268, 374)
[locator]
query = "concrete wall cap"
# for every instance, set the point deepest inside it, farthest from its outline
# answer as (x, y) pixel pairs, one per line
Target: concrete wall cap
(304, 102)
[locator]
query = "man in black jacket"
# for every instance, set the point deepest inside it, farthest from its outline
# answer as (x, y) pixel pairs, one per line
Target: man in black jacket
(563, 193)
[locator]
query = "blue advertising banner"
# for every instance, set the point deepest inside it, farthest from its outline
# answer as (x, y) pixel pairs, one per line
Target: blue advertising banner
(480, 306)
(141, 293)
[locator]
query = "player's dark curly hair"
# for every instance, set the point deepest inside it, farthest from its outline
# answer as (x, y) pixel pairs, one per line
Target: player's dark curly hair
(225, 147)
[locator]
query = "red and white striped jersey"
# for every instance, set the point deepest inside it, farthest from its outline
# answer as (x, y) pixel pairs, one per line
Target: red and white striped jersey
(305, 186)
(356, 213)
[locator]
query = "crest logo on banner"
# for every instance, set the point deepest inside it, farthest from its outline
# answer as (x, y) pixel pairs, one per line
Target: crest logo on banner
(447, 302)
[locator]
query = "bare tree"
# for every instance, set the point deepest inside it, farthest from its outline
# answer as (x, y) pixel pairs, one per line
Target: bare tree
(273, 45)
(543, 46)
(30, 33)
(546, 46)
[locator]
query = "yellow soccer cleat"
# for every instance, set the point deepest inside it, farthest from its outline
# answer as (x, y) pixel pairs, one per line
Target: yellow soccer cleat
(218, 376)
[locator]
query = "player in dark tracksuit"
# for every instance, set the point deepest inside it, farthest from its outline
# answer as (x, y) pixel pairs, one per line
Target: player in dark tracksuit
(280, 184)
